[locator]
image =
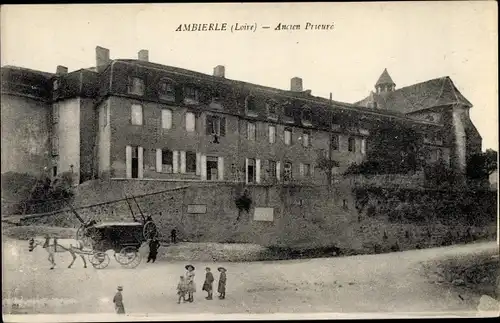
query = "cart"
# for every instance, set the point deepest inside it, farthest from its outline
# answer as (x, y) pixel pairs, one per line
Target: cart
(124, 238)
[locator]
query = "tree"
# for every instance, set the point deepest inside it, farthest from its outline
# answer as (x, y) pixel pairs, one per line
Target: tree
(326, 164)
(481, 165)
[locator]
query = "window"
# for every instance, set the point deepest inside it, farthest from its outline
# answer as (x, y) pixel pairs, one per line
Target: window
(272, 170)
(191, 94)
(305, 139)
(251, 131)
(344, 204)
(288, 136)
(335, 142)
(55, 113)
(212, 168)
(55, 145)
(439, 155)
(216, 125)
(271, 107)
(272, 134)
(306, 116)
(166, 91)
(190, 162)
(363, 146)
(166, 118)
(190, 121)
(54, 171)
(137, 114)
(287, 171)
(135, 162)
(251, 170)
(351, 144)
(250, 105)
(306, 170)
(135, 86)
(56, 84)
(167, 161)
(288, 111)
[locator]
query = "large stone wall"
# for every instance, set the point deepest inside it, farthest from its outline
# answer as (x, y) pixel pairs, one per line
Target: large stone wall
(304, 216)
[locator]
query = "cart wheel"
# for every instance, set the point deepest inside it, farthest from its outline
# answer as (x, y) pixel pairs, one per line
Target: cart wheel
(134, 263)
(99, 260)
(126, 255)
(149, 230)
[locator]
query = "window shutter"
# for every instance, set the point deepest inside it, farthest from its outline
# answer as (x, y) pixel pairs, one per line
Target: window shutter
(222, 126)
(301, 169)
(175, 162)
(257, 170)
(158, 160)
(198, 164)
(140, 157)
(183, 162)
(246, 170)
(203, 160)
(209, 124)
(220, 165)
(278, 170)
(128, 161)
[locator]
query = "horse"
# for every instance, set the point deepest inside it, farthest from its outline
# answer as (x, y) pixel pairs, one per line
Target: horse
(74, 247)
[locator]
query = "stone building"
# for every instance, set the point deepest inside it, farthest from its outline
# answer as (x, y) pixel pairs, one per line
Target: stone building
(131, 118)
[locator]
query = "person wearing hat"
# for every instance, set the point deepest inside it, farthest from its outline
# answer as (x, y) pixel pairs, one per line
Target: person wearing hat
(208, 284)
(222, 283)
(191, 286)
(118, 300)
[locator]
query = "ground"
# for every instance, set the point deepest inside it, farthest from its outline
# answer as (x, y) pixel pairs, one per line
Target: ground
(394, 282)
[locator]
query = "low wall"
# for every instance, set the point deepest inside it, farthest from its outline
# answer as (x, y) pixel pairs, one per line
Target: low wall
(304, 216)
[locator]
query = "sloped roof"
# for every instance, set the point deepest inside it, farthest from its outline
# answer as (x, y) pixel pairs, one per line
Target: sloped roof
(385, 78)
(420, 96)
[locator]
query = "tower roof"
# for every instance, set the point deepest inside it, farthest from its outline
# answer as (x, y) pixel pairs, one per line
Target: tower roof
(385, 78)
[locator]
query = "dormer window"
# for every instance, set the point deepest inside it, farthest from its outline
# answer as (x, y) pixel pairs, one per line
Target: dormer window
(135, 86)
(272, 109)
(288, 112)
(55, 84)
(306, 116)
(166, 90)
(191, 95)
(217, 97)
(250, 106)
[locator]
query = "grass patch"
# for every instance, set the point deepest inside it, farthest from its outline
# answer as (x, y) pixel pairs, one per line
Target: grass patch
(479, 273)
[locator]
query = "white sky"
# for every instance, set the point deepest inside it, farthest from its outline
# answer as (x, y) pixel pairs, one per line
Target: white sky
(415, 41)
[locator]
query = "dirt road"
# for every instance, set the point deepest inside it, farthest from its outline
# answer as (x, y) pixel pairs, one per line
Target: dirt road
(371, 283)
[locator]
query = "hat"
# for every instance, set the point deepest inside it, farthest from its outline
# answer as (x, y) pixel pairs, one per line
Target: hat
(221, 269)
(120, 287)
(189, 266)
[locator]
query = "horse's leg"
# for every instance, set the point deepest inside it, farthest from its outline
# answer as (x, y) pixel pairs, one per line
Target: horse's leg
(74, 258)
(51, 259)
(84, 262)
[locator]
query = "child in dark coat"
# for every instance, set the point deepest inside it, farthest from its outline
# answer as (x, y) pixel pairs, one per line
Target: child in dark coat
(222, 283)
(118, 300)
(208, 284)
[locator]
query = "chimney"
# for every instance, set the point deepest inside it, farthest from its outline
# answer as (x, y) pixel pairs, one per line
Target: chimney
(296, 84)
(220, 71)
(330, 96)
(60, 70)
(143, 55)
(101, 58)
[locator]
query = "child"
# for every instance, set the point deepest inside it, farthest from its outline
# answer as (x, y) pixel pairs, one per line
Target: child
(222, 283)
(182, 290)
(208, 284)
(118, 300)
(191, 286)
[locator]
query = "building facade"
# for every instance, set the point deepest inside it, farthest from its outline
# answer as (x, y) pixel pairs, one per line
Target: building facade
(129, 118)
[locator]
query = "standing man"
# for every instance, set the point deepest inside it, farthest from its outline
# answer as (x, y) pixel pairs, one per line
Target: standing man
(154, 244)
(173, 236)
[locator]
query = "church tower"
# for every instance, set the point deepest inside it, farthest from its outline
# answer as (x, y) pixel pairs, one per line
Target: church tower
(385, 83)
